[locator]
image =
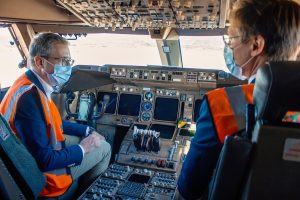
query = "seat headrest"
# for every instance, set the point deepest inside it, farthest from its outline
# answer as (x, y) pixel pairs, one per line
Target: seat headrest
(277, 90)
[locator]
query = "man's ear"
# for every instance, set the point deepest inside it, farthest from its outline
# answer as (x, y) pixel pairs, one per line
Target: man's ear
(38, 61)
(258, 45)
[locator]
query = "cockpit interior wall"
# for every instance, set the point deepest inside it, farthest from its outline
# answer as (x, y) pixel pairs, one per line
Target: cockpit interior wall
(45, 11)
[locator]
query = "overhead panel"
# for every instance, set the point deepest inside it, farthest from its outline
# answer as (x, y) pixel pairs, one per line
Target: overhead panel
(149, 14)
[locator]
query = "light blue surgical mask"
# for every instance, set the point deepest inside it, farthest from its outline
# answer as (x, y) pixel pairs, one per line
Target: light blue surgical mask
(235, 69)
(231, 65)
(60, 75)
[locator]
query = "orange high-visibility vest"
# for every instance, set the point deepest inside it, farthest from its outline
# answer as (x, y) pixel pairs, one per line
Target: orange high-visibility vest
(228, 108)
(58, 181)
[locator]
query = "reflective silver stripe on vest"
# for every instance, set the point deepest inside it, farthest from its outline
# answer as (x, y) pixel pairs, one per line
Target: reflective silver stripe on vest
(237, 100)
(54, 143)
(14, 100)
(57, 145)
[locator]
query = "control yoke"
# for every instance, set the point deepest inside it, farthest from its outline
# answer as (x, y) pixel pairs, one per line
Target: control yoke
(103, 107)
(88, 108)
(70, 98)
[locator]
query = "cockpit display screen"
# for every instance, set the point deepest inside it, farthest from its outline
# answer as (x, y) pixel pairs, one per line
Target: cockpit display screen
(129, 104)
(166, 131)
(112, 103)
(197, 109)
(166, 109)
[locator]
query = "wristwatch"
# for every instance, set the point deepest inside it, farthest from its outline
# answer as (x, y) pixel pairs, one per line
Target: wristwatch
(90, 131)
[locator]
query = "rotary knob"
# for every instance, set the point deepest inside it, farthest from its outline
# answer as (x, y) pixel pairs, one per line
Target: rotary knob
(134, 159)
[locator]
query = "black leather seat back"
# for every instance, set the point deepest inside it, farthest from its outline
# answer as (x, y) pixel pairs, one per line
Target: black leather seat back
(19, 163)
(275, 166)
(277, 90)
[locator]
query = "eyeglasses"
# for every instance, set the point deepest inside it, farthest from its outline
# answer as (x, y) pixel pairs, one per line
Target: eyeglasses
(63, 60)
(227, 39)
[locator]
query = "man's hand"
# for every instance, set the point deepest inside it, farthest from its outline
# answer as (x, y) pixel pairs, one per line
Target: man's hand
(91, 142)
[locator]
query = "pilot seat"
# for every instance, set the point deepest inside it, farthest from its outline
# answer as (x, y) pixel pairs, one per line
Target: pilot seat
(20, 176)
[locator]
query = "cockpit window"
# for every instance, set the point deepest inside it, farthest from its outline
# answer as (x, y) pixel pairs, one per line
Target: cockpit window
(9, 59)
(126, 49)
(123, 49)
(203, 52)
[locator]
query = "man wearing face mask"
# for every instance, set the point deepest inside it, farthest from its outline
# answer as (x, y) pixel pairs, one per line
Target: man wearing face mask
(63, 150)
(260, 31)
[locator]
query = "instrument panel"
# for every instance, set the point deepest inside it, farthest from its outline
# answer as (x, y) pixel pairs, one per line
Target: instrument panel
(132, 104)
(143, 93)
(165, 75)
(159, 106)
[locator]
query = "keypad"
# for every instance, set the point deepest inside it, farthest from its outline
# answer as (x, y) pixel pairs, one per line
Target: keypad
(132, 189)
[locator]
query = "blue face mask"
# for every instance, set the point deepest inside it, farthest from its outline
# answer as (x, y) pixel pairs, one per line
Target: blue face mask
(231, 65)
(60, 75)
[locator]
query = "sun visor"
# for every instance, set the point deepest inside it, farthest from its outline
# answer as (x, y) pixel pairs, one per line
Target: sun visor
(86, 77)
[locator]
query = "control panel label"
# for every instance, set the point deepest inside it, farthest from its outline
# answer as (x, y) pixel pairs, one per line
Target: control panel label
(291, 151)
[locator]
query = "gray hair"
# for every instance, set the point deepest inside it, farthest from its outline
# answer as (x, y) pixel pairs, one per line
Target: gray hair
(42, 43)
